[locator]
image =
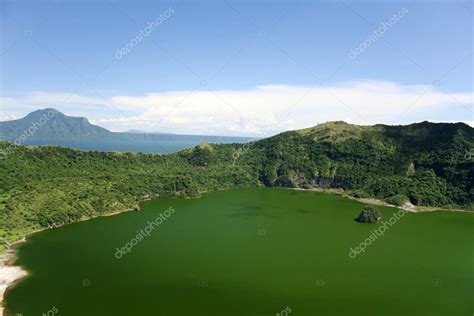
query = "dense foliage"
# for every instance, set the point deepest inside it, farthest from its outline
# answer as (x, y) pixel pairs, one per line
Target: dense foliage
(398, 200)
(369, 215)
(424, 163)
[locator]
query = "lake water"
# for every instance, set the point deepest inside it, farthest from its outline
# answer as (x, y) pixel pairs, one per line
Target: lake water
(250, 252)
(133, 146)
(161, 143)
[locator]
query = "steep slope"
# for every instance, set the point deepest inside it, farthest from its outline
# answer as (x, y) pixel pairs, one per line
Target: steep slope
(425, 161)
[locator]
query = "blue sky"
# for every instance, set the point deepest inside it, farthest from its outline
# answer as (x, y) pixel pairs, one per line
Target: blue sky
(238, 67)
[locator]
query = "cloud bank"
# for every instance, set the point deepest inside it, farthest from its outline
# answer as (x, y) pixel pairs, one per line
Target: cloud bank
(264, 110)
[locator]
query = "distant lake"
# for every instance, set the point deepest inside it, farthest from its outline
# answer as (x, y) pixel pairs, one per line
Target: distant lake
(133, 146)
(166, 143)
(250, 252)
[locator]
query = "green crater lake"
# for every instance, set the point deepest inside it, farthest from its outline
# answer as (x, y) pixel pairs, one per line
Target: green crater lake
(250, 252)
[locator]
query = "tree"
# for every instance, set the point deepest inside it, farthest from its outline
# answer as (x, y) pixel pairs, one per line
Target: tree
(369, 215)
(398, 200)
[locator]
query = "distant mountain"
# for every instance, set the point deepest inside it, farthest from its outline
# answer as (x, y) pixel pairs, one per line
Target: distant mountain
(50, 124)
(51, 127)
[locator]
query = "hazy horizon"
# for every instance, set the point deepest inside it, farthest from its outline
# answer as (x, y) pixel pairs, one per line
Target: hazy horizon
(224, 135)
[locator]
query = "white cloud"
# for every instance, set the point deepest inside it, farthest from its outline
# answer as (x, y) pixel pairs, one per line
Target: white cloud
(261, 111)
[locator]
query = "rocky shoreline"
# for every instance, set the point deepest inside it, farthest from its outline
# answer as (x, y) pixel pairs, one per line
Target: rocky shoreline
(8, 274)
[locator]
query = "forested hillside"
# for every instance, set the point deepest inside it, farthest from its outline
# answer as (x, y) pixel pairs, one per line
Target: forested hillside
(428, 163)
(423, 163)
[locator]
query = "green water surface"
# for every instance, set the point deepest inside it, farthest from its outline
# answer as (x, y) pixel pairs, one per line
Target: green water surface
(250, 252)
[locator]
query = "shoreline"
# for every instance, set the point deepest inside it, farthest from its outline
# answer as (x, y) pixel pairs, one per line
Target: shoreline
(10, 274)
(409, 207)
(372, 201)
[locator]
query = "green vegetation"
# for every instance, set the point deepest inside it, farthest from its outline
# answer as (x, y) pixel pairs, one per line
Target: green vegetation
(369, 215)
(398, 200)
(46, 186)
